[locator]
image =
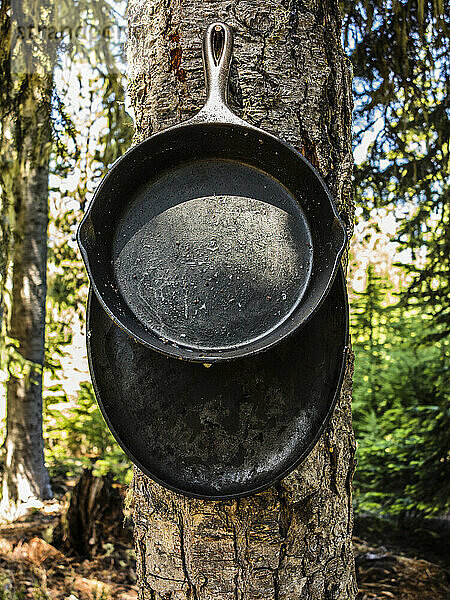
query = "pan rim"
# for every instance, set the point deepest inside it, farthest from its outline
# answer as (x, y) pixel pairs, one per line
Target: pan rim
(259, 488)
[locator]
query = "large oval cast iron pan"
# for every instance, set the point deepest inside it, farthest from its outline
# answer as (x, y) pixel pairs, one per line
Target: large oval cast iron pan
(228, 430)
(213, 239)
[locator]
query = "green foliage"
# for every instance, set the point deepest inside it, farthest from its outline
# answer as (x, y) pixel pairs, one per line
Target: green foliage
(401, 57)
(7, 589)
(368, 317)
(90, 132)
(77, 437)
(401, 408)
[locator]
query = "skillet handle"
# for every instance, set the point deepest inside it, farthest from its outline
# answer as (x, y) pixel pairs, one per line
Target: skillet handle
(217, 53)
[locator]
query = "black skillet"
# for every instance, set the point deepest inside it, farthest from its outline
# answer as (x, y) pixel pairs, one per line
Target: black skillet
(228, 430)
(213, 239)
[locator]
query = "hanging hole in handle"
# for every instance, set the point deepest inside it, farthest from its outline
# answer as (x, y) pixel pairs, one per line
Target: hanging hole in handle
(218, 43)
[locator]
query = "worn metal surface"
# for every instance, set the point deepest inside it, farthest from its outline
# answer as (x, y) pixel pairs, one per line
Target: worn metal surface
(199, 269)
(213, 239)
(228, 430)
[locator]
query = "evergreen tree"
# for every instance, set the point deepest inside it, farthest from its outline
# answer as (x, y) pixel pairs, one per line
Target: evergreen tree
(369, 327)
(401, 57)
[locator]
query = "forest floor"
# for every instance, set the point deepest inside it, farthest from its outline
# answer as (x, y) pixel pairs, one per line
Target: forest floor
(31, 568)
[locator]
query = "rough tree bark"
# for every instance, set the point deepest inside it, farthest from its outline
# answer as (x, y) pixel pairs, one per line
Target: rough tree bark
(25, 477)
(289, 76)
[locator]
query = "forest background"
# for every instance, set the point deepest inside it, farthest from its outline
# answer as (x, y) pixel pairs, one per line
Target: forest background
(398, 270)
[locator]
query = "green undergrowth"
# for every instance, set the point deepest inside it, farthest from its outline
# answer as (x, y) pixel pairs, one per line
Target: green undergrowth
(77, 437)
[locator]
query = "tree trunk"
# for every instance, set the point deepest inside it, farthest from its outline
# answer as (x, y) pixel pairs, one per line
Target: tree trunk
(5, 153)
(290, 77)
(94, 516)
(25, 477)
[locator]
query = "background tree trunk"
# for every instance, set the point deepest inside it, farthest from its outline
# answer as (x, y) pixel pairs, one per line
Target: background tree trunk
(5, 151)
(289, 76)
(29, 78)
(25, 476)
